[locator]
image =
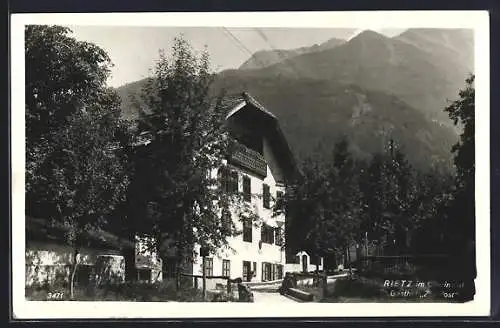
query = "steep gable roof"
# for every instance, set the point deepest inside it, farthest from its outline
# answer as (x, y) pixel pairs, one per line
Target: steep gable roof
(245, 102)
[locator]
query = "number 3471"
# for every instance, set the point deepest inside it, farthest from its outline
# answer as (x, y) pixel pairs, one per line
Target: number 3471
(55, 296)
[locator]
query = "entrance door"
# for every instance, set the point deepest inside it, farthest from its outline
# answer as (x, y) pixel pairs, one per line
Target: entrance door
(304, 263)
(247, 271)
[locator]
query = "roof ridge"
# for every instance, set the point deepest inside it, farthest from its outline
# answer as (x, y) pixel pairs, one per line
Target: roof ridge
(249, 99)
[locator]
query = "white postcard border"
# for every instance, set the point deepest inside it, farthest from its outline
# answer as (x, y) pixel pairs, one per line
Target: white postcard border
(477, 20)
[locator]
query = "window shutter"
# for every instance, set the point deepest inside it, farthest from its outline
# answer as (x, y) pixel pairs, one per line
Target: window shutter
(266, 195)
(247, 192)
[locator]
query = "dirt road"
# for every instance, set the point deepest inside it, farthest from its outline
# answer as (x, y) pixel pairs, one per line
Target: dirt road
(270, 297)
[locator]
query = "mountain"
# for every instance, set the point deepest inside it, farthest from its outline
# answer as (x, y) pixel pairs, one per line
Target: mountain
(314, 114)
(129, 93)
(423, 79)
(265, 58)
(456, 45)
(365, 88)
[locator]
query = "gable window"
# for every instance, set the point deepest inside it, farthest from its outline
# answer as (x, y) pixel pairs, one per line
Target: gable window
(209, 267)
(247, 230)
(266, 196)
(226, 268)
(247, 190)
(267, 234)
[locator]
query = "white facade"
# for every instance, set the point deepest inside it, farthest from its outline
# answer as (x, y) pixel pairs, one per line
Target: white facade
(256, 252)
(265, 259)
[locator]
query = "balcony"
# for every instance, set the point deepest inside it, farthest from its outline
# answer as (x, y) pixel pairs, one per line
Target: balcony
(250, 159)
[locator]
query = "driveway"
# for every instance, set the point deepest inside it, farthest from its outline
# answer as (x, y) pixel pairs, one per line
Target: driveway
(270, 297)
(267, 292)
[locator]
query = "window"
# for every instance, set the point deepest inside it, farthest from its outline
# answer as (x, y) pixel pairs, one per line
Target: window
(169, 268)
(266, 271)
(254, 270)
(247, 230)
(279, 237)
(266, 196)
(226, 220)
(228, 180)
(247, 191)
(209, 267)
(267, 234)
(273, 272)
(279, 271)
(246, 271)
(226, 268)
(233, 182)
(222, 175)
(279, 198)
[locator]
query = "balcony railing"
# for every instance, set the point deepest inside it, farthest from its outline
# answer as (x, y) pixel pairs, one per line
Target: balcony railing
(250, 160)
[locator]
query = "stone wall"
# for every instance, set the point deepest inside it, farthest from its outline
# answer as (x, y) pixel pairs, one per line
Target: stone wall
(51, 264)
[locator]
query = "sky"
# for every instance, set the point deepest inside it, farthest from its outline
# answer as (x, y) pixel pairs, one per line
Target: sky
(134, 50)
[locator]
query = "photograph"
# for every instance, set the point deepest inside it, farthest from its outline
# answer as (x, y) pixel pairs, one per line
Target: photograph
(258, 163)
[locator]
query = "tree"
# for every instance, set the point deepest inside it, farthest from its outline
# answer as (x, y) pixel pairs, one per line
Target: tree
(462, 113)
(323, 207)
(461, 225)
(390, 192)
(188, 142)
(74, 173)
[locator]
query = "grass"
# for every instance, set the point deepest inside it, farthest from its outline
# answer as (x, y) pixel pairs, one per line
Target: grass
(130, 292)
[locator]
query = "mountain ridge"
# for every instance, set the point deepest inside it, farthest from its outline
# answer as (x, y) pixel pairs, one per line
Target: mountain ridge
(265, 58)
(360, 88)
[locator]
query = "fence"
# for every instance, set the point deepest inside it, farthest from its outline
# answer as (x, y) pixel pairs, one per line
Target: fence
(407, 264)
(213, 283)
